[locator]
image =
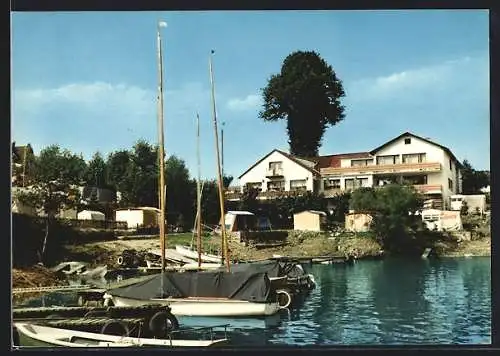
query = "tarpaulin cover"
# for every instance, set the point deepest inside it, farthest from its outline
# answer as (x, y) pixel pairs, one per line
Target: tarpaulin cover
(273, 268)
(245, 285)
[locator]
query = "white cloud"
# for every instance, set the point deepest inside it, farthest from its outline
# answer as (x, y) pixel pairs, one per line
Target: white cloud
(85, 117)
(250, 102)
(428, 79)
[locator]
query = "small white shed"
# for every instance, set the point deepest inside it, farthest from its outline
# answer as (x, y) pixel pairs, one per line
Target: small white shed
(442, 220)
(91, 215)
(309, 220)
(139, 217)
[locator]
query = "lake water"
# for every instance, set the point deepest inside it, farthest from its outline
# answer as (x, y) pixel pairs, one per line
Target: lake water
(390, 302)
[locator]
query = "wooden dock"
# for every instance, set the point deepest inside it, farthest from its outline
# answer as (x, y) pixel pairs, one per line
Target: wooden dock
(50, 289)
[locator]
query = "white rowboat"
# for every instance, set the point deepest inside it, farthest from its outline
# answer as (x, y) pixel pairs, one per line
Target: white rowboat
(32, 335)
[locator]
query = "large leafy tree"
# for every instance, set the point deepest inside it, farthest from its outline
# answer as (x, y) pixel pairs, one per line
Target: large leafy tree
(117, 165)
(472, 180)
(210, 208)
(141, 176)
(55, 185)
(307, 94)
(181, 192)
(96, 173)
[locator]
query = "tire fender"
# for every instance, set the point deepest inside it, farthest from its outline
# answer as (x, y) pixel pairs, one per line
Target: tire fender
(115, 327)
(162, 323)
(284, 298)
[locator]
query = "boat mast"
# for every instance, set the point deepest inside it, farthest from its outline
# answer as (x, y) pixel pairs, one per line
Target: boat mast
(162, 184)
(219, 178)
(198, 189)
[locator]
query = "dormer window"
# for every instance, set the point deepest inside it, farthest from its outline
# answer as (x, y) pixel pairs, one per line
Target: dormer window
(407, 141)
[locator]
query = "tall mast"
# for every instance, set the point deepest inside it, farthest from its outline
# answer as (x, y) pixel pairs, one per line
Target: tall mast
(222, 149)
(219, 175)
(198, 189)
(162, 186)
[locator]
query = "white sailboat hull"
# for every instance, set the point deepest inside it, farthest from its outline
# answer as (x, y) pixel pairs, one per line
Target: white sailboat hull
(203, 307)
(38, 335)
(189, 253)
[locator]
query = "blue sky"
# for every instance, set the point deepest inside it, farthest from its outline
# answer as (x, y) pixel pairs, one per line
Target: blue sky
(87, 81)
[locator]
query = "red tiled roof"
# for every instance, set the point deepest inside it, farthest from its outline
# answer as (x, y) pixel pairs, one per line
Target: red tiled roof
(334, 160)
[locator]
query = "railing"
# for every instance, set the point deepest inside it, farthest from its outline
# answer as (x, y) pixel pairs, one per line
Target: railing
(422, 188)
(331, 192)
(269, 194)
(274, 172)
(299, 189)
(425, 188)
(94, 224)
(385, 168)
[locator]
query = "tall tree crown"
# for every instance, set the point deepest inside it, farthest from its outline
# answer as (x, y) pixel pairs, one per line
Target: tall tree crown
(307, 94)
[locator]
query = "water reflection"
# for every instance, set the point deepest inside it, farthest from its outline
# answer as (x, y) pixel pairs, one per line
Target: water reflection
(395, 301)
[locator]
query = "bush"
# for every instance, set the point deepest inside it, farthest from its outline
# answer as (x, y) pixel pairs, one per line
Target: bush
(392, 207)
(297, 237)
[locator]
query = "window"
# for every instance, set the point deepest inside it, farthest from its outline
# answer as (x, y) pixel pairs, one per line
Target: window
(275, 169)
(415, 180)
(255, 185)
(407, 141)
(392, 159)
(298, 184)
(450, 184)
(414, 158)
(383, 180)
(362, 182)
(361, 162)
(277, 185)
(275, 165)
(353, 183)
(451, 165)
(332, 183)
(349, 183)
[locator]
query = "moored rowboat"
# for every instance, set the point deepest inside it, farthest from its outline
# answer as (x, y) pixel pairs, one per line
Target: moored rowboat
(196, 306)
(32, 335)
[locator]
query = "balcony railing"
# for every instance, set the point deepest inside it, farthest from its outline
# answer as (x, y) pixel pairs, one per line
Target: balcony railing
(429, 188)
(384, 169)
(422, 188)
(274, 172)
(298, 189)
(269, 194)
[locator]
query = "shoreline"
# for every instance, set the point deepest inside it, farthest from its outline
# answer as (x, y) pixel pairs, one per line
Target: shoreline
(299, 244)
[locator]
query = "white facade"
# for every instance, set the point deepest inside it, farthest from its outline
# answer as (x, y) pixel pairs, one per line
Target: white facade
(428, 166)
(408, 158)
(448, 177)
(277, 172)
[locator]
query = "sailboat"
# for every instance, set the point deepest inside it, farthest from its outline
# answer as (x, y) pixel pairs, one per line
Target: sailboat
(187, 251)
(199, 293)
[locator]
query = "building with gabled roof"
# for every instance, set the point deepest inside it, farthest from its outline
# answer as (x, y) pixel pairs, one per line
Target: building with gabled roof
(429, 166)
